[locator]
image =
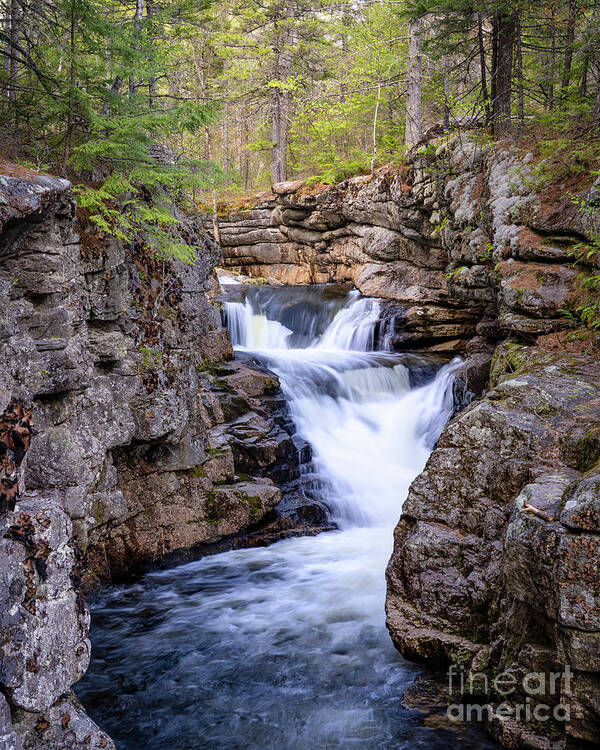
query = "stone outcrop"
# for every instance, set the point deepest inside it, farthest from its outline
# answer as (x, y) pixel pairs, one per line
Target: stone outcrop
(476, 579)
(372, 232)
(456, 238)
(126, 434)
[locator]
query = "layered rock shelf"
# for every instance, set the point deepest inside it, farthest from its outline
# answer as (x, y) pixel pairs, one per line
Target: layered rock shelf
(460, 235)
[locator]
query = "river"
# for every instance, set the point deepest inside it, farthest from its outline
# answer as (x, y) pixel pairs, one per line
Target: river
(285, 647)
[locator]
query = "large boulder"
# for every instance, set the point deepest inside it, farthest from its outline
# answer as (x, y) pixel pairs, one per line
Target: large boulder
(496, 560)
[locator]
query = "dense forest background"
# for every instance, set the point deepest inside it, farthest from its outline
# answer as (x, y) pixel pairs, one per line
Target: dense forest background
(221, 98)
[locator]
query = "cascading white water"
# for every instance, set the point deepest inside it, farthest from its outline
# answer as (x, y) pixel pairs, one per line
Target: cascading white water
(251, 330)
(286, 647)
(352, 328)
(370, 432)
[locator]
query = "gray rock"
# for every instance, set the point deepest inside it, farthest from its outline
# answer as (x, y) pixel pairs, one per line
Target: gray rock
(496, 542)
(9, 739)
(44, 622)
(63, 724)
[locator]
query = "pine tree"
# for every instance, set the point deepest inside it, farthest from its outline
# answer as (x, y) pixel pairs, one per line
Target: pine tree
(82, 120)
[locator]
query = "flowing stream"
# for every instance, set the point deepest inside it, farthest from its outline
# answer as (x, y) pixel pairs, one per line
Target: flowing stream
(285, 647)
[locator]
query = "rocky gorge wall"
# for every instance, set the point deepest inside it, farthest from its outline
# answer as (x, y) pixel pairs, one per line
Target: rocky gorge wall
(127, 436)
(496, 564)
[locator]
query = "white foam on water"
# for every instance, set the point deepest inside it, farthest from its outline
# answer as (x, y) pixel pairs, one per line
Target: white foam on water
(370, 433)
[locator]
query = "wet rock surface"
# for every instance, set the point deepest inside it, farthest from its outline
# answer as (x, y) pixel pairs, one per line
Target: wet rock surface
(469, 256)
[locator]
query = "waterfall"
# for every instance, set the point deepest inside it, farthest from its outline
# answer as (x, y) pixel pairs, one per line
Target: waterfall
(369, 431)
(350, 320)
(253, 330)
(353, 328)
(285, 646)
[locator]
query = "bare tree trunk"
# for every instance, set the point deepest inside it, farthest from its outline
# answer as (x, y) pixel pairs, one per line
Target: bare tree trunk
(245, 154)
(137, 27)
(69, 133)
(551, 67)
(568, 62)
(226, 159)
(375, 118)
(504, 40)
(280, 101)
(414, 108)
(13, 72)
(483, 69)
(583, 85)
(446, 91)
(597, 113)
(494, 67)
(519, 63)
(150, 8)
(7, 49)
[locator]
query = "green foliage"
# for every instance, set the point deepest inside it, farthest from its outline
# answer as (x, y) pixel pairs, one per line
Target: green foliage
(487, 253)
(332, 174)
(151, 358)
(563, 157)
(454, 274)
(109, 121)
(97, 89)
(587, 255)
(136, 199)
(356, 111)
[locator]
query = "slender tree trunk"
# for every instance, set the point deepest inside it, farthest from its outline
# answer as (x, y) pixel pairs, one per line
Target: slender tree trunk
(483, 69)
(150, 8)
(414, 107)
(245, 153)
(583, 85)
(375, 118)
(112, 84)
(226, 159)
(568, 61)
(280, 101)
(13, 71)
(7, 47)
(519, 63)
(552, 65)
(446, 92)
(137, 28)
(504, 41)
(69, 133)
(597, 113)
(494, 75)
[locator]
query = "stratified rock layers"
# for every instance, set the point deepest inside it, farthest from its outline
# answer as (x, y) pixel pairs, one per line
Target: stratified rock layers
(458, 235)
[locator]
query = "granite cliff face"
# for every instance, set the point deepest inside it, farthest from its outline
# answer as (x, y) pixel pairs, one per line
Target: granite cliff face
(127, 434)
(496, 559)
